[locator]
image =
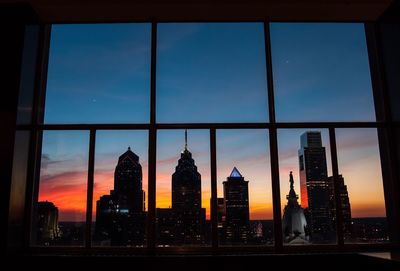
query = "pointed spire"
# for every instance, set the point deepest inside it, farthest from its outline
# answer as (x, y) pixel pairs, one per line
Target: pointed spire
(291, 180)
(185, 139)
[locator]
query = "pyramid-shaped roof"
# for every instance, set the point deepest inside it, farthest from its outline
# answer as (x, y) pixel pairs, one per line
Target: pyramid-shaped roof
(235, 173)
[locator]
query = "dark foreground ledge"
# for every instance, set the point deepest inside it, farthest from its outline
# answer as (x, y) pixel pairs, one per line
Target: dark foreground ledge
(309, 262)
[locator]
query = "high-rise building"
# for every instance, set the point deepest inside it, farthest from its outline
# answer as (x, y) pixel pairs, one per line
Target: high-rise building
(120, 216)
(314, 187)
(165, 222)
(47, 222)
(128, 183)
(186, 201)
(237, 220)
(345, 205)
(294, 224)
(221, 215)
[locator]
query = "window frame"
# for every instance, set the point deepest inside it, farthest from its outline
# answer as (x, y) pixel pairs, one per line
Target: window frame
(384, 125)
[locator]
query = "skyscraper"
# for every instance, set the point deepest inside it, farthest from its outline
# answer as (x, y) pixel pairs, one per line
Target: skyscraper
(120, 216)
(315, 188)
(345, 204)
(47, 222)
(294, 224)
(186, 201)
(237, 220)
(221, 214)
(165, 222)
(128, 183)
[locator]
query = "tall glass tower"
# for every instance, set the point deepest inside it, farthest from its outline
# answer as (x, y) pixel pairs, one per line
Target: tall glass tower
(315, 188)
(120, 216)
(186, 200)
(236, 194)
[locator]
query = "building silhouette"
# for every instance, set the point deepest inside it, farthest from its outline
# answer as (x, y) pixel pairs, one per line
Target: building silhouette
(237, 220)
(165, 221)
(294, 224)
(315, 188)
(120, 216)
(186, 201)
(345, 206)
(221, 217)
(47, 222)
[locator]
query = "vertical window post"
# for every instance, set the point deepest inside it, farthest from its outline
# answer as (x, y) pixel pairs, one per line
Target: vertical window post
(89, 198)
(213, 159)
(151, 215)
(336, 188)
(273, 141)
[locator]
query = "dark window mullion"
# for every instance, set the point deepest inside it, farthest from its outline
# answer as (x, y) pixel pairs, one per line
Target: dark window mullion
(276, 198)
(90, 184)
(214, 195)
(336, 188)
(32, 192)
(270, 78)
(273, 143)
(151, 214)
(35, 152)
(41, 75)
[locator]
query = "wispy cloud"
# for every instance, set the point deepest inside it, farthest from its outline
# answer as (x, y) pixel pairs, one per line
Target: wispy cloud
(46, 161)
(67, 191)
(348, 139)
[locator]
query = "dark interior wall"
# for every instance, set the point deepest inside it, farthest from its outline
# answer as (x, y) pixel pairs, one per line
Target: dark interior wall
(388, 38)
(12, 28)
(13, 21)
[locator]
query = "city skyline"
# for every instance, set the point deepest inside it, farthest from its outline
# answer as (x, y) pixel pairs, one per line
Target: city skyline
(70, 196)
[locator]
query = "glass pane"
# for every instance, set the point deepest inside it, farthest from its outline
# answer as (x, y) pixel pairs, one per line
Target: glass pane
(120, 184)
(363, 203)
(60, 211)
(99, 73)
(244, 188)
(307, 197)
(207, 71)
(321, 72)
(183, 188)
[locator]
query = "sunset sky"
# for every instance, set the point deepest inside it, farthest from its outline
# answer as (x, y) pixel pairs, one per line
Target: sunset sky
(207, 73)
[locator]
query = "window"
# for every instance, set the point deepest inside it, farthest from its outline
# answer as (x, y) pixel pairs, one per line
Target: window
(244, 188)
(183, 186)
(99, 73)
(361, 182)
(307, 191)
(321, 71)
(60, 210)
(211, 72)
(199, 136)
(120, 185)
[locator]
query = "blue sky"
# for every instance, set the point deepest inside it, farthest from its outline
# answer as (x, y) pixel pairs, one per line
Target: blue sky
(211, 72)
(99, 73)
(321, 72)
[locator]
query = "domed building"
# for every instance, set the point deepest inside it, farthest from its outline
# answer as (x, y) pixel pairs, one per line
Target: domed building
(294, 221)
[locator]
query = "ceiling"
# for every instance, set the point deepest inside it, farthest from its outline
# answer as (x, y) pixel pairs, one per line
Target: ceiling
(53, 11)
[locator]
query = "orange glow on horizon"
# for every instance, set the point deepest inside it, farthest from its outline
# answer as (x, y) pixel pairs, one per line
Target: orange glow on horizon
(68, 192)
